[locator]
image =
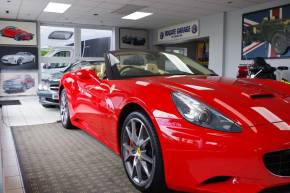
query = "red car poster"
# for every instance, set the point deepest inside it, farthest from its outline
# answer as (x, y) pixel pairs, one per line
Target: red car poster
(18, 33)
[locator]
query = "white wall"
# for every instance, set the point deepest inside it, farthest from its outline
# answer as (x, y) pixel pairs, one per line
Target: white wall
(233, 36)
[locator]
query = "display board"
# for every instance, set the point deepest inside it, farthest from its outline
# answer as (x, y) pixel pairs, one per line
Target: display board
(133, 38)
(184, 31)
(266, 33)
(18, 58)
(18, 33)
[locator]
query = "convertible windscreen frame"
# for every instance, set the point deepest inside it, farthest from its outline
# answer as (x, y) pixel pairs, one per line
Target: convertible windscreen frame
(114, 73)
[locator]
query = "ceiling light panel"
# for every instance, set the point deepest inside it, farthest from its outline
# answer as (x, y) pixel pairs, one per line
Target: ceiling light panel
(54, 7)
(137, 15)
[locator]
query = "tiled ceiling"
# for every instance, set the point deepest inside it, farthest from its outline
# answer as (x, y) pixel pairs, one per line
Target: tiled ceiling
(166, 12)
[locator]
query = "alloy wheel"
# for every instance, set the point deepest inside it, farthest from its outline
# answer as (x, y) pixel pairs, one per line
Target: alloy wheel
(63, 108)
(137, 152)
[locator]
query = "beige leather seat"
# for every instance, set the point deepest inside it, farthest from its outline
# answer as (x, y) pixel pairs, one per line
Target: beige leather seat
(152, 68)
(99, 69)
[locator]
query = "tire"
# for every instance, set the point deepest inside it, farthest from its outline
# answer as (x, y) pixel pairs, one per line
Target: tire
(279, 43)
(64, 111)
(47, 106)
(150, 177)
(19, 61)
(17, 37)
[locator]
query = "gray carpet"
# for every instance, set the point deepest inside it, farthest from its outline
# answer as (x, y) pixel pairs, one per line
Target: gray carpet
(55, 160)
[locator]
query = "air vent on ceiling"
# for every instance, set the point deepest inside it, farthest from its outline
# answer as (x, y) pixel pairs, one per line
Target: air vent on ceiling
(127, 9)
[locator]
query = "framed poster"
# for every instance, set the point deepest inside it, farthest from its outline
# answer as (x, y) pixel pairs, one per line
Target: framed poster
(18, 33)
(133, 38)
(266, 33)
(18, 83)
(18, 58)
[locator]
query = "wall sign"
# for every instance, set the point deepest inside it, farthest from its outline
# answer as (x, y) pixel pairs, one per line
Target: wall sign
(183, 31)
(266, 33)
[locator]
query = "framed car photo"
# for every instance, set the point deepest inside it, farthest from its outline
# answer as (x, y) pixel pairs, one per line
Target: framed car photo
(18, 33)
(266, 33)
(18, 58)
(133, 38)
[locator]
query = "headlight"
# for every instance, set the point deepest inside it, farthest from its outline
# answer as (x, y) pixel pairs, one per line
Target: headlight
(202, 115)
(43, 86)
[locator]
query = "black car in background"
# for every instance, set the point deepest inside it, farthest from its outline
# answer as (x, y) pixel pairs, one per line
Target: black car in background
(48, 88)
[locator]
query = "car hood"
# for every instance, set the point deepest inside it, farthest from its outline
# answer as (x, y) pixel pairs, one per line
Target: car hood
(248, 101)
(8, 56)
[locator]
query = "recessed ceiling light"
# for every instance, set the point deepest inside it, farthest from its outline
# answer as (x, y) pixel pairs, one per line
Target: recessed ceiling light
(56, 7)
(136, 15)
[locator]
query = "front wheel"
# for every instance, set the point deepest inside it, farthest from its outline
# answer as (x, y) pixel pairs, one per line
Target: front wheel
(141, 153)
(64, 111)
(19, 61)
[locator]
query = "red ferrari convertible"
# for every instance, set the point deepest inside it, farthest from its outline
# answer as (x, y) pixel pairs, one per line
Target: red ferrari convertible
(16, 33)
(177, 125)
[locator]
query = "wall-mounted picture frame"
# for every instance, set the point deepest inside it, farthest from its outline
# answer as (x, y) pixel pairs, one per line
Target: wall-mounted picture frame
(15, 83)
(266, 33)
(18, 58)
(133, 38)
(18, 33)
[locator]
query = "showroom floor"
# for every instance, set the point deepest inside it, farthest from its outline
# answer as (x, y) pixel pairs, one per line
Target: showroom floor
(30, 112)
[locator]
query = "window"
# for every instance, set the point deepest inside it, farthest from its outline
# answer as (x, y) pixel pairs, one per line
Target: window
(57, 49)
(62, 54)
(95, 43)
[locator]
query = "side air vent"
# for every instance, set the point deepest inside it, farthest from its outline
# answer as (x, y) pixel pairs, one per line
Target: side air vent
(217, 179)
(262, 96)
(278, 162)
(280, 189)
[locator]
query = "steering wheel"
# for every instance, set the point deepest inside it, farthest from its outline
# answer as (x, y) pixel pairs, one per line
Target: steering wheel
(126, 68)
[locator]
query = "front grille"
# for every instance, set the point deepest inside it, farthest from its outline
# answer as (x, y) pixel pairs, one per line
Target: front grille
(51, 100)
(278, 162)
(280, 189)
(54, 87)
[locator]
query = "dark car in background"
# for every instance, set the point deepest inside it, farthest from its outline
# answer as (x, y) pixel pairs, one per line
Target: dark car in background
(48, 88)
(16, 33)
(18, 84)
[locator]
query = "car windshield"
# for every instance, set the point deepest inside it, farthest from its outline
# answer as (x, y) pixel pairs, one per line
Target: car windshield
(21, 53)
(141, 63)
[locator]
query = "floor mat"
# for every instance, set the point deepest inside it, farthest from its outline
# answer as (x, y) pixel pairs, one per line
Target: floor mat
(9, 102)
(55, 160)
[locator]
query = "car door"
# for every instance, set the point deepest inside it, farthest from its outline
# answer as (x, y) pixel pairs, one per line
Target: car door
(90, 96)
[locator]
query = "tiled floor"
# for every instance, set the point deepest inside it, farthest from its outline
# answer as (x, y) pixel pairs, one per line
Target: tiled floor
(30, 112)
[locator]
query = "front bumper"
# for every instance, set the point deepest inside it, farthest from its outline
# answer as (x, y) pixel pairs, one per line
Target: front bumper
(8, 61)
(195, 157)
(48, 97)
